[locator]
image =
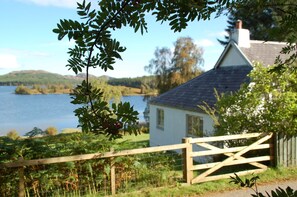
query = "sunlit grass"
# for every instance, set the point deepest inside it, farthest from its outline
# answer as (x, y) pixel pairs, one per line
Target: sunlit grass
(271, 175)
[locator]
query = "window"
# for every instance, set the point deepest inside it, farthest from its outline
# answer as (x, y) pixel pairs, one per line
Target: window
(194, 126)
(160, 118)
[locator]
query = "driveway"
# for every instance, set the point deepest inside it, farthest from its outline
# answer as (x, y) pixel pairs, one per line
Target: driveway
(262, 187)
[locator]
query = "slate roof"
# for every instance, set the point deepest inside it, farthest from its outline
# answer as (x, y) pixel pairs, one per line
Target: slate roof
(264, 52)
(192, 93)
(224, 79)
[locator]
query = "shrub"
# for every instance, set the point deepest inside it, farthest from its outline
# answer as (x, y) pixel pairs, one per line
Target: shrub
(22, 90)
(51, 131)
(13, 134)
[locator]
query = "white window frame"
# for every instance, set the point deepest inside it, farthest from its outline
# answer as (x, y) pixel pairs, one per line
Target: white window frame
(194, 125)
(160, 118)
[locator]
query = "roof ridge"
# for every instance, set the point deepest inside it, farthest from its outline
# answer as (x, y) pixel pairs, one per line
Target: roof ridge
(268, 42)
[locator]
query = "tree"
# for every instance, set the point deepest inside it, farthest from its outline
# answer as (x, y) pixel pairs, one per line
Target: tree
(96, 48)
(259, 23)
(186, 62)
(173, 70)
(160, 67)
(267, 104)
(110, 93)
(35, 132)
(268, 20)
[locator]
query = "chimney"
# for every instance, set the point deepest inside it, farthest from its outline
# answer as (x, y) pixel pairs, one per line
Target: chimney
(240, 36)
(238, 24)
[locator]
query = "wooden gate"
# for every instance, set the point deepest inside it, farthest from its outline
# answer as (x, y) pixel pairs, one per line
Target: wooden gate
(234, 156)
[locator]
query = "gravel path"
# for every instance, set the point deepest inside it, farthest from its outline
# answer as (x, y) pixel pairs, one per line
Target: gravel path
(246, 192)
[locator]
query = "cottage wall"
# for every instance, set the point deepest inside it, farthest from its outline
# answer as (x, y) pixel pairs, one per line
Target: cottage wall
(175, 128)
(174, 125)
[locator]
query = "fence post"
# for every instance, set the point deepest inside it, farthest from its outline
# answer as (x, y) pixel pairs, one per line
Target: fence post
(112, 175)
(188, 161)
(273, 148)
(21, 179)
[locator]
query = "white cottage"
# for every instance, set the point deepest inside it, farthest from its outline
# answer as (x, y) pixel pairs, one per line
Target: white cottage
(175, 115)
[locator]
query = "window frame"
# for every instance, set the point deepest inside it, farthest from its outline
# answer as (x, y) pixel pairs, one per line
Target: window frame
(160, 118)
(191, 122)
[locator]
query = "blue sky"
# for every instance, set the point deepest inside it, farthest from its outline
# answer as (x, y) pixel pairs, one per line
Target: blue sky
(28, 43)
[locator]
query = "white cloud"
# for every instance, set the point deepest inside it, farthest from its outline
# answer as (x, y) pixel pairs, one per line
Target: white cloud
(223, 33)
(56, 3)
(205, 43)
(8, 61)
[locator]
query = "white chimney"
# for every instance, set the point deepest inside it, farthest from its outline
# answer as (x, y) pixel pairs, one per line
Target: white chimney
(241, 36)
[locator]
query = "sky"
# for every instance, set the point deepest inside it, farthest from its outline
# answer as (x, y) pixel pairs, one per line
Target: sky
(28, 43)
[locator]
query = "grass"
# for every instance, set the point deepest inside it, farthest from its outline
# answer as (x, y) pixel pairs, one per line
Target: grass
(272, 175)
(134, 141)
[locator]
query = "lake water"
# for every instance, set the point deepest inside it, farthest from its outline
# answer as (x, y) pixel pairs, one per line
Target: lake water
(23, 112)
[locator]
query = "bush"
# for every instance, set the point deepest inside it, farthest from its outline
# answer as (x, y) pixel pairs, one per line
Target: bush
(22, 90)
(13, 134)
(51, 131)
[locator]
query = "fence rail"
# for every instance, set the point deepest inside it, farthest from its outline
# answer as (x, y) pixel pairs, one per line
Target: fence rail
(234, 156)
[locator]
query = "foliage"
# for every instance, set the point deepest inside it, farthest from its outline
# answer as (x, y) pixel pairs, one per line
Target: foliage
(129, 82)
(95, 115)
(51, 131)
(280, 16)
(267, 104)
(96, 48)
(90, 176)
(13, 134)
(35, 132)
(145, 83)
(173, 70)
(44, 89)
(31, 77)
(259, 22)
(110, 93)
(250, 183)
(57, 176)
(22, 90)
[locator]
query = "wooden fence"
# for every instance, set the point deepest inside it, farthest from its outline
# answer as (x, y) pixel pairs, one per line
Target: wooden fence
(285, 150)
(234, 157)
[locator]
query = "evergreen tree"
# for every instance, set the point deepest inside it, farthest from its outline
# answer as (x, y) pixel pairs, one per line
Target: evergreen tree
(260, 21)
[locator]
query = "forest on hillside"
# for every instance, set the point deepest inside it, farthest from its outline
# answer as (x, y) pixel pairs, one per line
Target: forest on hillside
(43, 78)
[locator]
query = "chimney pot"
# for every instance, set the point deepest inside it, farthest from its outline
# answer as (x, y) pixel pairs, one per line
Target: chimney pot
(238, 24)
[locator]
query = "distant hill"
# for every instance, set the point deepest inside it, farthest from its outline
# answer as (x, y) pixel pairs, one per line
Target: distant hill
(30, 77)
(41, 77)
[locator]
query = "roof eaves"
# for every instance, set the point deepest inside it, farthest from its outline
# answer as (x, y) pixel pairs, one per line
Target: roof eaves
(197, 109)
